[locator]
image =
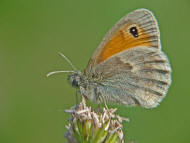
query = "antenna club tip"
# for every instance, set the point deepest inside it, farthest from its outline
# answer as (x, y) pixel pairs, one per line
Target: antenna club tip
(61, 54)
(47, 75)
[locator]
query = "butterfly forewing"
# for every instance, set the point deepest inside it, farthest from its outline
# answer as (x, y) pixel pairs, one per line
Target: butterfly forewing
(119, 37)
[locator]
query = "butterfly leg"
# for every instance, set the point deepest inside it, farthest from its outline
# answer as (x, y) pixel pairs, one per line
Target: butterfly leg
(99, 102)
(101, 98)
(76, 98)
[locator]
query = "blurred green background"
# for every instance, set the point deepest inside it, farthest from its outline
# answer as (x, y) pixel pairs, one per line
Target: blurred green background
(32, 33)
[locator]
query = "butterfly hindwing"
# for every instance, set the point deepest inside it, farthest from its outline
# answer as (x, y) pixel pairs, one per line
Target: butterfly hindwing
(138, 76)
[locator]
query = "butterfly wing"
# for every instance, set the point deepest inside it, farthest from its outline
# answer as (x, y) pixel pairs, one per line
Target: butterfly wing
(129, 66)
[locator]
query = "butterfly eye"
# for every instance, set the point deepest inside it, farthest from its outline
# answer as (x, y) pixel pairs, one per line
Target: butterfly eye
(134, 31)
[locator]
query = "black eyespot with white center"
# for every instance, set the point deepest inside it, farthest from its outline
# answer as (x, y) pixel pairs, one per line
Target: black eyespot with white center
(133, 30)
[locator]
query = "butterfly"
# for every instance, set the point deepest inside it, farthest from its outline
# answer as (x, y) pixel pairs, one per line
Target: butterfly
(128, 67)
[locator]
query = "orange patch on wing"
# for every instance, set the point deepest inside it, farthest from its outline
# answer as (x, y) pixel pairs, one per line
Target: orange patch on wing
(123, 40)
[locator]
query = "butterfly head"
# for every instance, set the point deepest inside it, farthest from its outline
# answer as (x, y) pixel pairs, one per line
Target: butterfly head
(75, 79)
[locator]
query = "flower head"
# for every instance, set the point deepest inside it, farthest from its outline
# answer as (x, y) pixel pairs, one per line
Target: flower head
(90, 126)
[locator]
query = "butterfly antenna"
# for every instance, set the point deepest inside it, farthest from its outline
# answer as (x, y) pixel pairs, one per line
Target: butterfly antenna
(68, 61)
(55, 72)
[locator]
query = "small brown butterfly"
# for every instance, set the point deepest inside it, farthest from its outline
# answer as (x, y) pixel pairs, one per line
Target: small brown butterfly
(128, 67)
